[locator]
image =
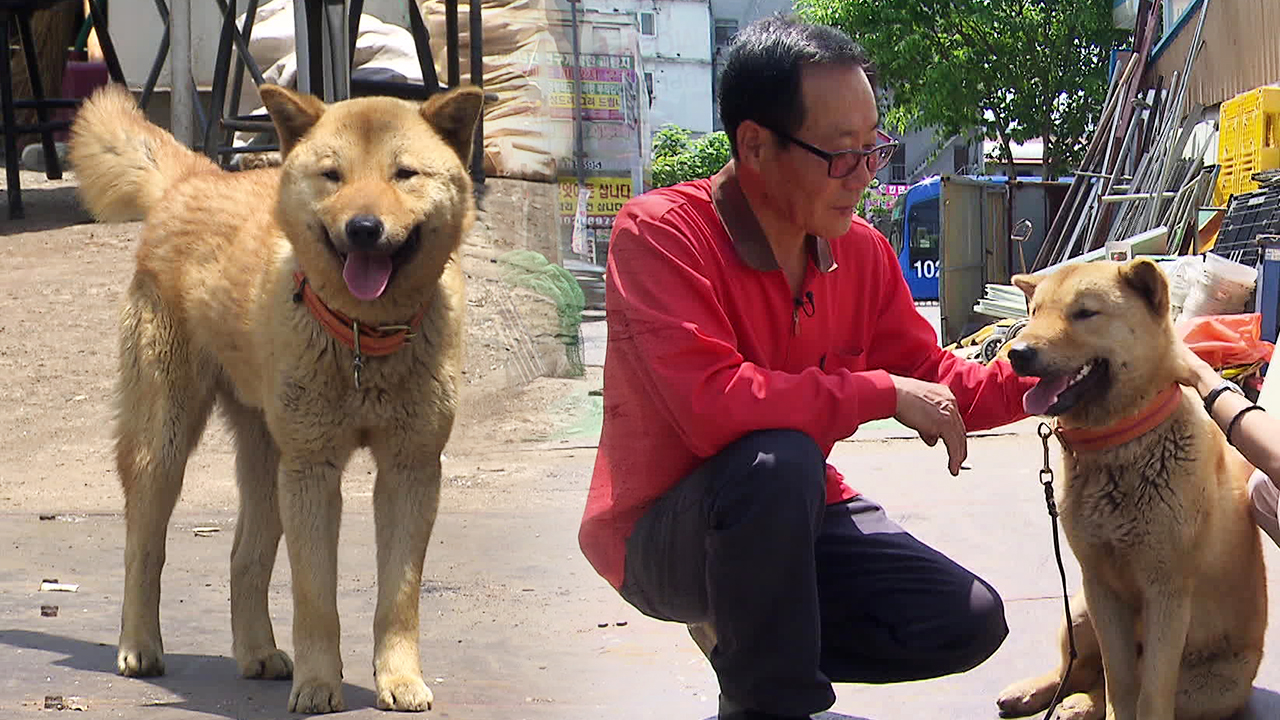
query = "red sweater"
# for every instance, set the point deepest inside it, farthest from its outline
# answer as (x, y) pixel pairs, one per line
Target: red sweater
(706, 344)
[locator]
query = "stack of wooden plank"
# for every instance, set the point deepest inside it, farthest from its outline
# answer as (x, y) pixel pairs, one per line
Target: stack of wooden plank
(1144, 167)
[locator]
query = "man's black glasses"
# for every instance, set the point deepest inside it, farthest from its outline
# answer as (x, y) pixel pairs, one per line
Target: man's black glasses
(845, 163)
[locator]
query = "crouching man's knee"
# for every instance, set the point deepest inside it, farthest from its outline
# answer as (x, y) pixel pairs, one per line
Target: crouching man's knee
(986, 627)
(775, 467)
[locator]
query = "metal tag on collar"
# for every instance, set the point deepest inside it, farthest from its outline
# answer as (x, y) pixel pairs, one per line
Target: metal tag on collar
(358, 361)
(409, 334)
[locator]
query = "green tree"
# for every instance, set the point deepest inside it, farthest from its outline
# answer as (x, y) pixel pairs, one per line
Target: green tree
(677, 158)
(1011, 69)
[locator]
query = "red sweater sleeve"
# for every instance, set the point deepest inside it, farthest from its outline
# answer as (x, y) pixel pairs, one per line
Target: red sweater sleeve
(904, 343)
(663, 309)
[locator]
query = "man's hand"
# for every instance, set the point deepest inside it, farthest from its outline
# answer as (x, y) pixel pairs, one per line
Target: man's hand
(930, 409)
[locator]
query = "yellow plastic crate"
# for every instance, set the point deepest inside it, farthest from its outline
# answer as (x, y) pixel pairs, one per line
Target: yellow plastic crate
(1248, 140)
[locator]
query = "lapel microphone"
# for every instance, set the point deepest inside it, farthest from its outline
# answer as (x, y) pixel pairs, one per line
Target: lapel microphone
(805, 304)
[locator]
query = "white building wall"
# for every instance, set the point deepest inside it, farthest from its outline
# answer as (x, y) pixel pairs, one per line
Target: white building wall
(678, 59)
(681, 95)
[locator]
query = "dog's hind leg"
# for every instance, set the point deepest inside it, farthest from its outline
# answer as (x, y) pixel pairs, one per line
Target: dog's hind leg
(165, 394)
(1216, 687)
(253, 555)
(1032, 695)
(405, 500)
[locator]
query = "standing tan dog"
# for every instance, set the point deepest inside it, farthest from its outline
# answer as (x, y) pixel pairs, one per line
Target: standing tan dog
(320, 305)
(1153, 505)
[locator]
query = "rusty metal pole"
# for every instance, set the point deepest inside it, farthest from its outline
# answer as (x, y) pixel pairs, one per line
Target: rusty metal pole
(181, 86)
(476, 35)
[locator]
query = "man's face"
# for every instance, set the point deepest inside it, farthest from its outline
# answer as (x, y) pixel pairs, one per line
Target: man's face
(840, 114)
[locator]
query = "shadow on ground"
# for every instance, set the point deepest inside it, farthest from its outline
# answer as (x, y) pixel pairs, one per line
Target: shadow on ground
(45, 206)
(207, 684)
(1264, 704)
(823, 716)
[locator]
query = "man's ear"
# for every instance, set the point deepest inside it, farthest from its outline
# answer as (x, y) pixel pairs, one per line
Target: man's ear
(1026, 283)
(454, 114)
(293, 113)
(1149, 281)
(752, 138)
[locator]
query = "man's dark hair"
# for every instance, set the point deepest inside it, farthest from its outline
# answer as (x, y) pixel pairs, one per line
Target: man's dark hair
(761, 76)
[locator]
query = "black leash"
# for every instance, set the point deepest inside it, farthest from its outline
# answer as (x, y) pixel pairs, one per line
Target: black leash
(1046, 481)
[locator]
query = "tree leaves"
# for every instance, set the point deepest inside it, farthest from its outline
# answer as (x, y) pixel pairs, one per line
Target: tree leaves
(677, 158)
(1011, 69)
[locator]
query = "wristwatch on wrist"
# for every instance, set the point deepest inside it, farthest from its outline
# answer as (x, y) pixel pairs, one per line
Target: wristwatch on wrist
(1224, 386)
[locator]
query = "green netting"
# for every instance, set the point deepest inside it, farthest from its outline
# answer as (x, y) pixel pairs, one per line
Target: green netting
(530, 269)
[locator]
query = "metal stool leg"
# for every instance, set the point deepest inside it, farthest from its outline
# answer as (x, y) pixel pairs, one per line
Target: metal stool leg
(108, 47)
(422, 43)
(221, 67)
(451, 43)
(53, 168)
(237, 81)
(335, 36)
(10, 126)
(309, 45)
(153, 76)
(355, 10)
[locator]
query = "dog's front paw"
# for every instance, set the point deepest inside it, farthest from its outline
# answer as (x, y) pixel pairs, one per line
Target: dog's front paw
(316, 696)
(403, 692)
(1024, 698)
(1080, 706)
(138, 660)
(269, 664)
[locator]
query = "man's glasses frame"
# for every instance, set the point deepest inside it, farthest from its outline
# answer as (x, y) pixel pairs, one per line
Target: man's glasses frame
(875, 159)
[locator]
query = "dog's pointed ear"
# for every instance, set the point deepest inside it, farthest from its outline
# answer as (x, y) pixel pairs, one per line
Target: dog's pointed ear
(1149, 281)
(1026, 283)
(454, 114)
(293, 113)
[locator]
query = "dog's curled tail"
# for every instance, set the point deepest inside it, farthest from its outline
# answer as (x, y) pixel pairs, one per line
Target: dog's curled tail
(124, 163)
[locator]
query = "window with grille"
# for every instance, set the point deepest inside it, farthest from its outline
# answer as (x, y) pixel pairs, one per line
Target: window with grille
(898, 165)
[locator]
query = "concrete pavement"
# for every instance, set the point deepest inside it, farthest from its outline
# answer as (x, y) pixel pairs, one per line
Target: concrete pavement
(515, 624)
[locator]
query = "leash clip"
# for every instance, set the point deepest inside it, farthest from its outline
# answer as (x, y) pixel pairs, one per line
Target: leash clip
(1046, 472)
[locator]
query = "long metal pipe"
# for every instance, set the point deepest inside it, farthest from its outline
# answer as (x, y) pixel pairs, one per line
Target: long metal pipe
(578, 152)
(181, 86)
(476, 33)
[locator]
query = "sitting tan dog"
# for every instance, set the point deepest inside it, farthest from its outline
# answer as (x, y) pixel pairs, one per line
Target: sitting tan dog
(1153, 504)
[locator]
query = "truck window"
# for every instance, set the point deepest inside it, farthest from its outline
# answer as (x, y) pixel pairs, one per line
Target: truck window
(926, 230)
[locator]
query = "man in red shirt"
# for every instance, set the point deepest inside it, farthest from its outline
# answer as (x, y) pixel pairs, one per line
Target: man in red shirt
(753, 323)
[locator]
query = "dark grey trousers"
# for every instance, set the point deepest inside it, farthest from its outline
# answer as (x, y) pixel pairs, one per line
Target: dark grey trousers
(802, 594)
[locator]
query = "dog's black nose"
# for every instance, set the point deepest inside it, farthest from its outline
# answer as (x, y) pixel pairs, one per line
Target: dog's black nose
(1023, 358)
(364, 231)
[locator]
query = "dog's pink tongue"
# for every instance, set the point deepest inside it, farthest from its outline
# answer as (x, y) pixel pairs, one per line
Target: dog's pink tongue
(1041, 397)
(366, 273)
